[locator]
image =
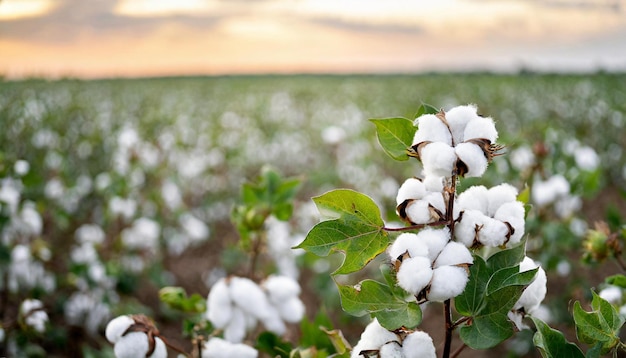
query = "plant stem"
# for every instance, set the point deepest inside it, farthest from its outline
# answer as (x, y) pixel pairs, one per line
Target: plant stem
(447, 311)
(458, 351)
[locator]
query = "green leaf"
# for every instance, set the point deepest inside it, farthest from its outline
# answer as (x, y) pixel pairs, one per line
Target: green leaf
(487, 331)
(273, 345)
(357, 229)
(376, 298)
(395, 136)
(507, 258)
(176, 298)
(426, 109)
(470, 301)
(618, 280)
(510, 276)
(599, 326)
(551, 343)
(339, 342)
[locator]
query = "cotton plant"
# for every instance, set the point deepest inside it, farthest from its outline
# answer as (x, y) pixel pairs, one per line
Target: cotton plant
(466, 249)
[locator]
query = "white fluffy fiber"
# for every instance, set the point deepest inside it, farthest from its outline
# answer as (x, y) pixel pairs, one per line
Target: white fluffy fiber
(418, 212)
(438, 159)
(418, 345)
(407, 242)
(513, 213)
(248, 296)
(454, 253)
(493, 232)
(219, 348)
(458, 118)
(219, 307)
(465, 230)
(391, 350)
(473, 198)
(436, 201)
(373, 337)
(135, 344)
(281, 288)
(433, 183)
(498, 195)
(546, 192)
(473, 157)
(481, 128)
(235, 330)
(535, 292)
(431, 129)
(412, 188)
(447, 282)
(435, 239)
(612, 294)
(116, 327)
(415, 274)
(291, 310)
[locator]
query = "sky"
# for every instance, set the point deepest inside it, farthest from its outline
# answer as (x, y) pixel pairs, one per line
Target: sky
(130, 38)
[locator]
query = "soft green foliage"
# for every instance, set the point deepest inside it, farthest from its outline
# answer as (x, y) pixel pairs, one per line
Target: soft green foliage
(355, 228)
(176, 298)
(552, 344)
(395, 136)
(617, 280)
(599, 327)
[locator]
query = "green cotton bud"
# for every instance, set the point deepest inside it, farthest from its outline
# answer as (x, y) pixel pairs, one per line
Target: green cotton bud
(172, 296)
(255, 219)
(596, 246)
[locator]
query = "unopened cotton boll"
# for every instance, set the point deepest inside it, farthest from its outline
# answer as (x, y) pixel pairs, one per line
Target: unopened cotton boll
(415, 274)
(431, 129)
(391, 350)
(219, 306)
(407, 242)
(438, 159)
(458, 118)
(499, 195)
(418, 345)
(447, 282)
(219, 348)
(455, 253)
(513, 213)
(493, 233)
(412, 188)
(466, 230)
(135, 344)
(372, 338)
(481, 128)
(473, 198)
(473, 157)
(435, 239)
(535, 292)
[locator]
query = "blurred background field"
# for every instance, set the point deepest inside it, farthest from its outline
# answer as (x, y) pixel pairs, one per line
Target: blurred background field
(154, 168)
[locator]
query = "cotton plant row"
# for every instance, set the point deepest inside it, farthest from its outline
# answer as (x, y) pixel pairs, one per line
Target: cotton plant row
(463, 248)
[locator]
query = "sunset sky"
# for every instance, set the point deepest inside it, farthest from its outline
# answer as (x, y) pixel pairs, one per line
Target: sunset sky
(104, 38)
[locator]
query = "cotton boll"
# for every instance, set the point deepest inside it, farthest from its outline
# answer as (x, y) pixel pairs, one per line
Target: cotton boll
(431, 129)
(512, 213)
(249, 297)
(465, 230)
(407, 242)
(612, 294)
(281, 288)
(219, 348)
(414, 274)
(586, 158)
(418, 345)
(412, 188)
(433, 183)
(546, 192)
(473, 198)
(235, 331)
(436, 201)
(481, 128)
(391, 350)
(447, 282)
(454, 253)
(498, 195)
(438, 159)
(435, 239)
(522, 158)
(373, 337)
(219, 306)
(273, 322)
(493, 232)
(418, 212)
(458, 118)
(291, 310)
(135, 344)
(535, 292)
(116, 327)
(473, 157)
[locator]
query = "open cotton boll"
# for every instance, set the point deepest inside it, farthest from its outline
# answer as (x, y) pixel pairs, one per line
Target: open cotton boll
(612, 294)
(219, 348)
(412, 188)
(473, 157)
(546, 192)
(407, 242)
(433, 183)
(249, 297)
(219, 306)
(435, 239)
(418, 345)
(415, 274)
(291, 310)
(465, 230)
(281, 288)
(373, 337)
(431, 129)
(273, 322)
(418, 212)
(473, 198)
(481, 128)
(116, 327)
(535, 292)
(391, 350)
(436, 201)
(455, 253)
(499, 195)
(447, 282)
(135, 344)
(513, 213)
(493, 232)
(235, 331)
(438, 159)
(458, 118)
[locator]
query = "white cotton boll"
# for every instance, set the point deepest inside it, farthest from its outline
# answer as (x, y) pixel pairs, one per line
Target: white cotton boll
(272, 321)
(513, 213)
(473, 157)
(235, 331)
(89, 233)
(436, 201)
(281, 288)
(433, 183)
(447, 282)
(473, 198)
(522, 158)
(219, 348)
(418, 213)
(291, 310)
(250, 298)
(481, 128)
(612, 294)
(407, 242)
(415, 274)
(438, 159)
(431, 129)
(412, 188)
(34, 315)
(586, 158)
(535, 292)
(465, 230)
(373, 337)
(391, 350)
(455, 253)
(160, 350)
(498, 195)
(458, 118)
(195, 228)
(135, 344)
(546, 192)
(567, 205)
(333, 135)
(435, 239)
(116, 327)
(21, 167)
(418, 345)
(493, 232)
(219, 306)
